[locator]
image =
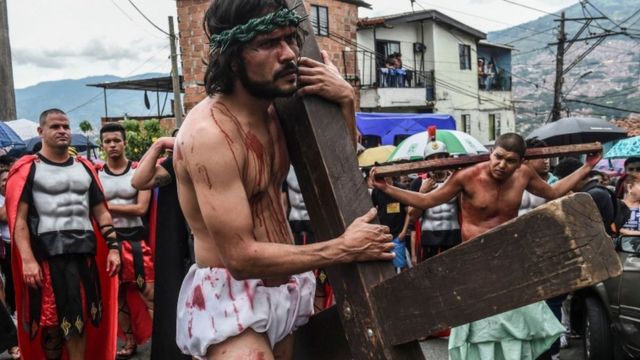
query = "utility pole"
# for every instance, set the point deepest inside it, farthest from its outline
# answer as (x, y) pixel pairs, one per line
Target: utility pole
(557, 94)
(7, 91)
(175, 77)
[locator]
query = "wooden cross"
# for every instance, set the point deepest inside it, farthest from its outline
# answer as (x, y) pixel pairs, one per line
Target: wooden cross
(378, 315)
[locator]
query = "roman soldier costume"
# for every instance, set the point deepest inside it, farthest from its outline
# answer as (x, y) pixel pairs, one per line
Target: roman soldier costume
(71, 252)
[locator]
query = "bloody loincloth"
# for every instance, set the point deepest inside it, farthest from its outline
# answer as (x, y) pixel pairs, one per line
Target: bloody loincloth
(213, 307)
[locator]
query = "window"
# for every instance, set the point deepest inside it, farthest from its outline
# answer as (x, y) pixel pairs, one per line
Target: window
(492, 127)
(466, 123)
(320, 20)
(465, 56)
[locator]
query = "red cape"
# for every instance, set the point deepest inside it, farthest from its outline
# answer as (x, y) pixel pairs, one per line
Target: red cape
(141, 322)
(101, 341)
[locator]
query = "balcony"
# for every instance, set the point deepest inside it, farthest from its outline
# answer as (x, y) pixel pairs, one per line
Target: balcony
(386, 87)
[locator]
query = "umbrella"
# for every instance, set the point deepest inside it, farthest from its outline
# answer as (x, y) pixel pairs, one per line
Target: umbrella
(577, 130)
(624, 148)
(611, 167)
(78, 141)
(458, 143)
(375, 154)
(8, 137)
(24, 128)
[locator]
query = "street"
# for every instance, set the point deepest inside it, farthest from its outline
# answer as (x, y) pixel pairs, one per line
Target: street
(436, 349)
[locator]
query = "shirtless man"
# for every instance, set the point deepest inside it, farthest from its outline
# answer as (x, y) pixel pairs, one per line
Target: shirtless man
(242, 298)
(490, 194)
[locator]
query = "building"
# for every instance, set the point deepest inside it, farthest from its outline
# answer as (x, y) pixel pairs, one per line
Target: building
(334, 24)
(447, 67)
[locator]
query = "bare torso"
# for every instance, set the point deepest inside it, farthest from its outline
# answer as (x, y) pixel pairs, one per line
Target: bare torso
(260, 159)
(486, 202)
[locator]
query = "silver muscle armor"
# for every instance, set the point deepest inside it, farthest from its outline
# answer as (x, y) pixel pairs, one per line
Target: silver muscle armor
(61, 197)
(118, 189)
(298, 208)
(441, 217)
(529, 202)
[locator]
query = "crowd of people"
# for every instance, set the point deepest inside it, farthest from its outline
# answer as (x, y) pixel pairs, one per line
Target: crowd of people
(393, 74)
(99, 248)
(429, 225)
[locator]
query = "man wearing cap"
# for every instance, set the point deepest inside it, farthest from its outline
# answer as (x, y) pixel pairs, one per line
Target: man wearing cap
(251, 287)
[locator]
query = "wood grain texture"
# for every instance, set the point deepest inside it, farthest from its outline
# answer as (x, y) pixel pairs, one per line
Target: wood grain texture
(557, 248)
(335, 194)
(460, 162)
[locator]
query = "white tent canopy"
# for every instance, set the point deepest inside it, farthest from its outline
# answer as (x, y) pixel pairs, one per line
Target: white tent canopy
(26, 129)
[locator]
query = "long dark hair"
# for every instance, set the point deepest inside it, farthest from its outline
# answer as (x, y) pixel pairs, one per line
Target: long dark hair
(223, 15)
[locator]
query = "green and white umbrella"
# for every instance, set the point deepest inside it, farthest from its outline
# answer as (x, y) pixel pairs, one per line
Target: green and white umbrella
(458, 143)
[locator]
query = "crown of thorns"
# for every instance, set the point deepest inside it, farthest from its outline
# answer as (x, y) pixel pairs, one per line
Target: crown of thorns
(246, 32)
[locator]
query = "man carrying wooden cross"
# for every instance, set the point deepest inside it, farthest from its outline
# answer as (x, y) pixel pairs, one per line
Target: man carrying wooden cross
(490, 194)
(242, 298)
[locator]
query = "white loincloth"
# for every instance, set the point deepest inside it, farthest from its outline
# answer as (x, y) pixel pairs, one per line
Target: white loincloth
(213, 307)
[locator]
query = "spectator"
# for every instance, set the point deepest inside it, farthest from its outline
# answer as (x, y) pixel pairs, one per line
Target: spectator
(481, 73)
(5, 245)
(8, 335)
(394, 215)
(490, 76)
(600, 195)
(632, 199)
(631, 166)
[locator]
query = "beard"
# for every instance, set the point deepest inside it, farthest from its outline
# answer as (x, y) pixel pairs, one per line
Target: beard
(267, 89)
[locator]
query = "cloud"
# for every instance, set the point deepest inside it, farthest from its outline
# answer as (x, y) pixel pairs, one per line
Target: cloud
(95, 50)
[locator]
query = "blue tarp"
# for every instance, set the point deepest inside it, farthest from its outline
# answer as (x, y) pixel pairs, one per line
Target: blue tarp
(388, 125)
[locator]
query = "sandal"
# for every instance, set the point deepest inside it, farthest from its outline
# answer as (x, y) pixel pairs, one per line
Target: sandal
(126, 351)
(15, 352)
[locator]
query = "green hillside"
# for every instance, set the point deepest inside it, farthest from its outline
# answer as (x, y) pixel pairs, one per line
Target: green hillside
(609, 75)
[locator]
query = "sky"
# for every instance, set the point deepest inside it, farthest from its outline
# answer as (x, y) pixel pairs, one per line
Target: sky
(72, 39)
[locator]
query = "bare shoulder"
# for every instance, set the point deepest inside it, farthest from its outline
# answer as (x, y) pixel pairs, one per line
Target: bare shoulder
(206, 132)
(209, 142)
(472, 171)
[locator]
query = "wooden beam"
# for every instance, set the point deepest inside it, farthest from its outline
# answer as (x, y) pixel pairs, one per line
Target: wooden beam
(335, 194)
(460, 162)
(557, 248)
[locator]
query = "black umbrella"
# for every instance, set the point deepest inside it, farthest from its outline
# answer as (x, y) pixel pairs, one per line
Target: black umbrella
(578, 130)
(78, 141)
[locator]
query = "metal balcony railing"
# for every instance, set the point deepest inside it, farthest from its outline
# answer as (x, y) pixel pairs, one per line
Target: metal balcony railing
(364, 70)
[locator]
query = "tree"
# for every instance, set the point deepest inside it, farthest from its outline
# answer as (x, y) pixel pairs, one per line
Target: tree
(141, 136)
(86, 128)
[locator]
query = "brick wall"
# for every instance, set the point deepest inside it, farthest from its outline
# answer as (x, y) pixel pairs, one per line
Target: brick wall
(193, 49)
(193, 43)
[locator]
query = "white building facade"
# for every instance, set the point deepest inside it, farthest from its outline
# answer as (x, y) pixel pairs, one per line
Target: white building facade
(447, 67)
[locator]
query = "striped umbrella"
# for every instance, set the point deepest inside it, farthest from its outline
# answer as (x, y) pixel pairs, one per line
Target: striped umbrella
(458, 143)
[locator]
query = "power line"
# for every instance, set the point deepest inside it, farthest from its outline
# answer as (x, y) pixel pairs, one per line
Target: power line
(600, 105)
(530, 8)
(479, 17)
(146, 18)
(132, 20)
